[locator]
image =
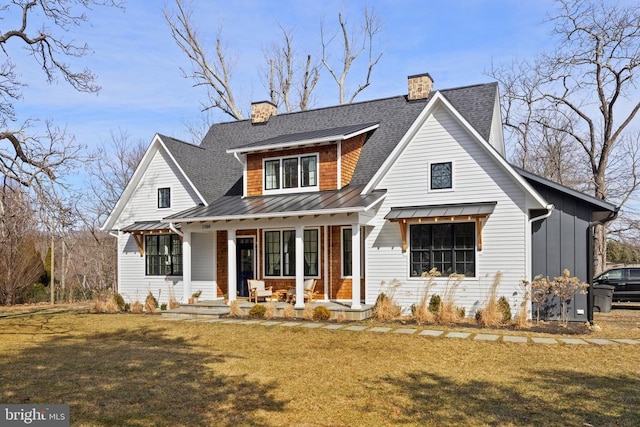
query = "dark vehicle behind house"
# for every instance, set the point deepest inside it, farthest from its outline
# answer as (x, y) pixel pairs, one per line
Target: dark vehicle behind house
(626, 282)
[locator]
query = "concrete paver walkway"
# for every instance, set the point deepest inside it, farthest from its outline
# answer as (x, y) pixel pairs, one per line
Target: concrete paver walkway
(431, 333)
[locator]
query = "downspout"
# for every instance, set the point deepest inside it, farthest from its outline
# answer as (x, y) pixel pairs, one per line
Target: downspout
(545, 215)
(592, 225)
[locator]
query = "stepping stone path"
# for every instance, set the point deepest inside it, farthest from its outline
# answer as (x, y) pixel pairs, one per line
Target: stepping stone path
(415, 331)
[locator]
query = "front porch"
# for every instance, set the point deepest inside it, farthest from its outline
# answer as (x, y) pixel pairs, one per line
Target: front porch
(217, 308)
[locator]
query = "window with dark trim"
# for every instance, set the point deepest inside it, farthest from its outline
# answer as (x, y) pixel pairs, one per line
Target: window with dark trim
(451, 248)
(164, 198)
(280, 253)
(441, 176)
(163, 255)
(291, 172)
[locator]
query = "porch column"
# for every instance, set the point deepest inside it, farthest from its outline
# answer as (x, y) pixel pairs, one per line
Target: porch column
(232, 275)
(325, 258)
(355, 266)
(186, 266)
(299, 266)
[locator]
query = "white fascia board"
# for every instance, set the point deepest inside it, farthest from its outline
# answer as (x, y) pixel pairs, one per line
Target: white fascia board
(300, 143)
(438, 98)
(531, 192)
(132, 184)
(153, 148)
(193, 187)
(336, 211)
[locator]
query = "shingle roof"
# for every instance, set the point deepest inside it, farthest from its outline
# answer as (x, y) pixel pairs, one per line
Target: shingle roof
(216, 173)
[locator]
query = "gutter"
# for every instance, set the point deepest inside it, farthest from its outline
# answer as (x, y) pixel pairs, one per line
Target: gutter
(549, 209)
(116, 235)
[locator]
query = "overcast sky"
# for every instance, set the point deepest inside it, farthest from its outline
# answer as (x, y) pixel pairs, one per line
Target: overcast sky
(144, 92)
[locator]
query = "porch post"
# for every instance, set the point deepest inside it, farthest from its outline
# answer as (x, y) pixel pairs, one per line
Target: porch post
(325, 258)
(232, 276)
(299, 266)
(186, 265)
(355, 267)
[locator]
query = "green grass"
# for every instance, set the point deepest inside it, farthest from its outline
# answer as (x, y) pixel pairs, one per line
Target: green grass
(139, 370)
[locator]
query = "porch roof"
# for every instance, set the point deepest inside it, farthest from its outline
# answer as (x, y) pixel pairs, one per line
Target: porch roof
(451, 210)
(146, 226)
(346, 200)
(305, 138)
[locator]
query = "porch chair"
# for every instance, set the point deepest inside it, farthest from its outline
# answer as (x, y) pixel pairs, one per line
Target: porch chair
(309, 291)
(257, 290)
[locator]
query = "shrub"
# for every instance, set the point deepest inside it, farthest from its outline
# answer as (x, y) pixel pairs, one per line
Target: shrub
(257, 311)
(435, 304)
(385, 308)
(137, 307)
(461, 312)
(505, 309)
(150, 303)
(321, 313)
(37, 293)
(119, 301)
(163, 306)
(127, 306)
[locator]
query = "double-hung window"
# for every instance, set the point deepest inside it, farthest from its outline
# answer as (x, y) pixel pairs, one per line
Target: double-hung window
(280, 253)
(164, 198)
(450, 248)
(294, 173)
(163, 255)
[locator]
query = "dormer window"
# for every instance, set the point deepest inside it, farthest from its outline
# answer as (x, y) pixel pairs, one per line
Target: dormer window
(291, 174)
(164, 198)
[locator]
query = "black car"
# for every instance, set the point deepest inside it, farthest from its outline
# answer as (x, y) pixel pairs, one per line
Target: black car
(626, 281)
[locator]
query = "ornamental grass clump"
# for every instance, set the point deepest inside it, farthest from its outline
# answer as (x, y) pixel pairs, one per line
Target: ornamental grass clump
(289, 312)
(491, 315)
(137, 307)
(234, 309)
(422, 312)
(449, 312)
(104, 303)
(307, 313)
(270, 310)
(522, 318)
(150, 303)
(385, 308)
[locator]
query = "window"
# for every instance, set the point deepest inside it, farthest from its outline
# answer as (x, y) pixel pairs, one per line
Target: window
(280, 252)
(164, 198)
(347, 252)
(448, 247)
(291, 173)
(163, 255)
(441, 176)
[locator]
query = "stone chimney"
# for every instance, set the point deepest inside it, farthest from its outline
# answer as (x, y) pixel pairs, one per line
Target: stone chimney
(262, 111)
(420, 86)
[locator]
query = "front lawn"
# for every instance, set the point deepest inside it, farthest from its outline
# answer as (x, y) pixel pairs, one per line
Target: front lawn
(141, 370)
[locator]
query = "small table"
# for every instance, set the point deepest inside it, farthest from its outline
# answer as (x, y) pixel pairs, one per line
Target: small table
(280, 294)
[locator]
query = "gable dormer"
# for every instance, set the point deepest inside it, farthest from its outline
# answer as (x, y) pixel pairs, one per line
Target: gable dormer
(318, 160)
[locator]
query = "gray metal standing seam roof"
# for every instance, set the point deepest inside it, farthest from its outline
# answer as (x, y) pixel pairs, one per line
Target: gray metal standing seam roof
(216, 173)
(458, 209)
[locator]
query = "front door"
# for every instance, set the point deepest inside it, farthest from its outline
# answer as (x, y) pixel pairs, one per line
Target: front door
(244, 264)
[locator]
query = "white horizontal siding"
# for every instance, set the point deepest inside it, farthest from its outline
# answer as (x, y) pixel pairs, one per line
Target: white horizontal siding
(477, 177)
(143, 204)
(133, 285)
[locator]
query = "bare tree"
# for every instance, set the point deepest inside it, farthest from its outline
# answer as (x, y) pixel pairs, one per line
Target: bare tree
(213, 73)
(583, 90)
(286, 73)
(20, 260)
(26, 158)
(354, 41)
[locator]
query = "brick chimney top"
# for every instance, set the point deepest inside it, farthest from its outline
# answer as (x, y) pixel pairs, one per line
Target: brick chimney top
(420, 86)
(261, 111)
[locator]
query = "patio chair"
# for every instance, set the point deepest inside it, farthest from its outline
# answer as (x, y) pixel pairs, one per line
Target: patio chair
(309, 291)
(257, 290)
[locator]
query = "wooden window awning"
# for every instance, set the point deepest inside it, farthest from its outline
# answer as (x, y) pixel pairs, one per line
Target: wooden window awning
(461, 212)
(141, 228)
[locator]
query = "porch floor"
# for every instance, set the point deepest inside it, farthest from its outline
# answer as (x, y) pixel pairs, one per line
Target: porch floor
(217, 308)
